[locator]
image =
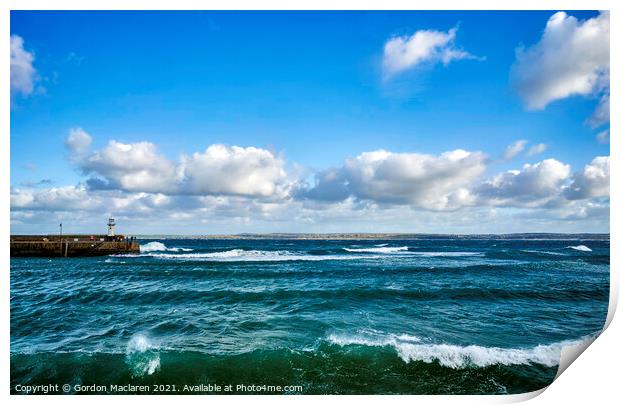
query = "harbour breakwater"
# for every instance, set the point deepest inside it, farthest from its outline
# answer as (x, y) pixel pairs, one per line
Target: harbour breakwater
(71, 245)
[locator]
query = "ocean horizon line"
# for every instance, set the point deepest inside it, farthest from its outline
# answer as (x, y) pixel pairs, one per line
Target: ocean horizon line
(347, 235)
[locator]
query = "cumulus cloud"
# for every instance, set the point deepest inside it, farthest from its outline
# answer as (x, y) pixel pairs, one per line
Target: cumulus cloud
(139, 167)
(131, 167)
(23, 73)
(146, 211)
(533, 185)
(592, 181)
(536, 149)
(549, 184)
(78, 142)
(233, 170)
(571, 58)
(424, 181)
(247, 189)
(53, 199)
(402, 53)
(81, 198)
(514, 149)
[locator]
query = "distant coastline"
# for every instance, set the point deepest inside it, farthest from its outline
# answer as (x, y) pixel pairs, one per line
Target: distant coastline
(377, 236)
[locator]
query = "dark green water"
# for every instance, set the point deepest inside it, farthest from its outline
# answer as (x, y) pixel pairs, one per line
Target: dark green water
(425, 316)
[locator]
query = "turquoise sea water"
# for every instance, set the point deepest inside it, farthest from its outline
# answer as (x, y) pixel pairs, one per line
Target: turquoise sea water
(429, 315)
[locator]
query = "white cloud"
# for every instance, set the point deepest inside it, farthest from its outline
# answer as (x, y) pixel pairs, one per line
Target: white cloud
(603, 136)
(424, 181)
(234, 189)
(453, 181)
(81, 198)
(600, 116)
(536, 149)
(86, 210)
(131, 167)
(78, 142)
(514, 149)
(23, 73)
(406, 52)
(533, 185)
(592, 181)
(219, 170)
(549, 184)
(233, 170)
(571, 58)
(53, 199)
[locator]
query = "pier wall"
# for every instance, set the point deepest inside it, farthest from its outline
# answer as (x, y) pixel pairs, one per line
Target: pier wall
(70, 247)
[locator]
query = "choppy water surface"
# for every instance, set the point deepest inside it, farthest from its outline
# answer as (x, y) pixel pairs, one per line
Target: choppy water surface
(435, 315)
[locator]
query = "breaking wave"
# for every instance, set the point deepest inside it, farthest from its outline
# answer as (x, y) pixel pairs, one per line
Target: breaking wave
(241, 255)
(141, 356)
(372, 338)
(543, 252)
(446, 254)
(381, 249)
(457, 357)
(160, 247)
(581, 248)
(160, 251)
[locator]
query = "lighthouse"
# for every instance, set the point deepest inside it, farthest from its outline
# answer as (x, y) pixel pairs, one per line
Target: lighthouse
(111, 225)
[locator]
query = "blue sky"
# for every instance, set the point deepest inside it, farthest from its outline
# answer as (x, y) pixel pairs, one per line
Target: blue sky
(310, 88)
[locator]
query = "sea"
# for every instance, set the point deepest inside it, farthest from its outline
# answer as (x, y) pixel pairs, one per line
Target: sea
(425, 315)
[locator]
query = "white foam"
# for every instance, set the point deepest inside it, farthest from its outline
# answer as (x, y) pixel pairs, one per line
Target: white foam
(160, 247)
(455, 356)
(138, 344)
(445, 254)
(408, 338)
(152, 247)
(141, 356)
(404, 250)
(372, 338)
(378, 249)
(110, 260)
(544, 252)
(382, 244)
(581, 248)
(240, 255)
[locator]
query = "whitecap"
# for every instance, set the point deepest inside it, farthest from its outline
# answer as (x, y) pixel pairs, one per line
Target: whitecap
(445, 254)
(408, 338)
(160, 247)
(141, 356)
(581, 248)
(152, 247)
(114, 260)
(384, 249)
(372, 338)
(544, 252)
(139, 343)
(455, 356)
(241, 255)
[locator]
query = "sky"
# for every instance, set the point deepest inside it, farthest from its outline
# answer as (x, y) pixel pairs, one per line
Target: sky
(230, 122)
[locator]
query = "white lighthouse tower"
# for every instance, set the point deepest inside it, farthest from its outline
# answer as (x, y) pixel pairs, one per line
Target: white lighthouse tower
(111, 225)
